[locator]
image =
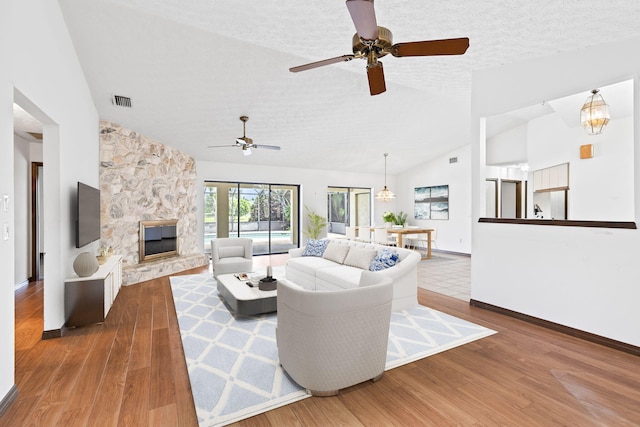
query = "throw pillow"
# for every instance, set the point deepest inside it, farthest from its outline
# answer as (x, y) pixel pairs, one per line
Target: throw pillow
(384, 259)
(315, 247)
(360, 257)
(336, 252)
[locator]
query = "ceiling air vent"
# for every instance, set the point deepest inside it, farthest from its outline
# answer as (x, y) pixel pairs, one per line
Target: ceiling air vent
(453, 160)
(121, 101)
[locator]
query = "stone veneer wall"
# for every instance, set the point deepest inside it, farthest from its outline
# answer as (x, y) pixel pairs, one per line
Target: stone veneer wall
(142, 180)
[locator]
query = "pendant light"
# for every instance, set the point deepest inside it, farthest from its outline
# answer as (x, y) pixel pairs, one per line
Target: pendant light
(385, 195)
(594, 114)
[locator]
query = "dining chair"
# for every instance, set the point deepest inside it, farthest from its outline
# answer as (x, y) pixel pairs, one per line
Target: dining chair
(350, 233)
(364, 234)
(382, 237)
(421, 241)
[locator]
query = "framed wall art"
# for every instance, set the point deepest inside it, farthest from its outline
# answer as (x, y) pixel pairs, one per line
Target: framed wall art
(431, 202)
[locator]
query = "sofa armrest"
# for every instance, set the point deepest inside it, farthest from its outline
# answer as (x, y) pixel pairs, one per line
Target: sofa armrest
(403, 267)
(296, 252)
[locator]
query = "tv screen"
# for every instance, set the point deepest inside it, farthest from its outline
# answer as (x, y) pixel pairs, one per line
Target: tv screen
(87, 215)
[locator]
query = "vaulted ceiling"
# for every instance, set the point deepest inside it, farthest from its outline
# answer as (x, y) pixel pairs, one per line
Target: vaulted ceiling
(192, 68)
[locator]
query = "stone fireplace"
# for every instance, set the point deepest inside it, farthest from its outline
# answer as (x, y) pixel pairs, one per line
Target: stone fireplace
(143, 181)
(158, 239)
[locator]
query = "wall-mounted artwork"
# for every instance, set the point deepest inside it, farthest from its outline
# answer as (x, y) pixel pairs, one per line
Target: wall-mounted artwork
(431, 202)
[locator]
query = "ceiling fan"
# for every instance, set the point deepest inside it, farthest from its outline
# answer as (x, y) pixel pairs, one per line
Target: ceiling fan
(372, 42)
(246, 143)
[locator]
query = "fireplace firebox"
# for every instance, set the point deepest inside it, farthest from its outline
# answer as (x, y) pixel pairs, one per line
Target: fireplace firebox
(158, 239)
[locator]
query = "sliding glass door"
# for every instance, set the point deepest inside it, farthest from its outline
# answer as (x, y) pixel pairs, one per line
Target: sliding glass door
(348, 206)
(266, 213)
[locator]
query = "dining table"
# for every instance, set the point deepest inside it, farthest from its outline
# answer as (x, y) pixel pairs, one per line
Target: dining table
(401, 231)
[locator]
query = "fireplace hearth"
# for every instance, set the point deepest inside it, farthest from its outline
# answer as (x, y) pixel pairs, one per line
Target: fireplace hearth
(158, 239)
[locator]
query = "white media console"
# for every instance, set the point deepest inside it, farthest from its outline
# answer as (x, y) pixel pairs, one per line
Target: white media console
(87, 300)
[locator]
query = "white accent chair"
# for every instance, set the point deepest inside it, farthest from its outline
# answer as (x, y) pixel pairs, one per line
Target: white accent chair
(329, 340)
(231, 255)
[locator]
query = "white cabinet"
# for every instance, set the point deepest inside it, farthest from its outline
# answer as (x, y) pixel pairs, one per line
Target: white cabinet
(553, 178)
(563, 176)
(537, 180)
(88, 300)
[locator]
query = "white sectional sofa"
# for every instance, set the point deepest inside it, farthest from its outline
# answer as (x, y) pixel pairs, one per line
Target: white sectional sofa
(341, 265)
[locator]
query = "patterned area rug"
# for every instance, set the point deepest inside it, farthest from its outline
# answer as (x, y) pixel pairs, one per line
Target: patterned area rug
(233, 361)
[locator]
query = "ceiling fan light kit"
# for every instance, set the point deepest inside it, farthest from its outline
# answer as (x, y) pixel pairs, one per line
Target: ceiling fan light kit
(372, 42)
(245, 143)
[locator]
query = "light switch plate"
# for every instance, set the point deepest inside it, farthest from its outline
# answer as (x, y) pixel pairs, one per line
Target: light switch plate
(5, 203)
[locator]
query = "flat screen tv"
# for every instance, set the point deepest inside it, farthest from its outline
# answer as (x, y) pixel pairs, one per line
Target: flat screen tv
(87, 215)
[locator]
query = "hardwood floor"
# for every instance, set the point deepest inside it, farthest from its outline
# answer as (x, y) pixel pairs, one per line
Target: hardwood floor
(130, 371)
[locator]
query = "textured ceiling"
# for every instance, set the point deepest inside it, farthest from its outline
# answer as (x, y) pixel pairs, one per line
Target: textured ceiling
(25, 125)
(192, 68)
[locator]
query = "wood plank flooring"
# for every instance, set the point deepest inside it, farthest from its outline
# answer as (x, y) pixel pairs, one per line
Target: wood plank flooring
(130, 371)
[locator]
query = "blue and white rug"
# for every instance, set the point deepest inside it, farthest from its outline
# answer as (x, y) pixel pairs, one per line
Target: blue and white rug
(233, 361)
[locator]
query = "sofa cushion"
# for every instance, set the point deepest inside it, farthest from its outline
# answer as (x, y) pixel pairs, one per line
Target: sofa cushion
(231, 251)
(315, 247)
(370, 278)
(384, 259)
(308, 264)
(338, 277)
(336, 252)
(360, 257)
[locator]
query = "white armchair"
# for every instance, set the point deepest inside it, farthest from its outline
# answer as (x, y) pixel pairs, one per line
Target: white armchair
(329, 340)
(231, 255)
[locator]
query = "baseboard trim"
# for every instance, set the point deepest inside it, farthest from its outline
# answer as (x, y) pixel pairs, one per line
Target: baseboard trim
(54, 333)
(587, 336)
(21, 285)
(8, 399)
(442, 251)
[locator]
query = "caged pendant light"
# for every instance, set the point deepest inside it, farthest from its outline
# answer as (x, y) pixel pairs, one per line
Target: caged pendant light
(594, 114)
(385, 195)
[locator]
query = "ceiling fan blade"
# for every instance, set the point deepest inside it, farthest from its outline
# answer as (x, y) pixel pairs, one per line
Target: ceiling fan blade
(375, 73)
(363, 16)
(267, 147)
(343, 58)
(222, 146)
(431, 47)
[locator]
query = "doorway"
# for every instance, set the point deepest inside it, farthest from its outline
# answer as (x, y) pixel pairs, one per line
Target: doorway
(511, 199)
(37, 221)
(347, 206)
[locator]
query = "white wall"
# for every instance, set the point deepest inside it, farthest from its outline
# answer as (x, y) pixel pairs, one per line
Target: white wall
(41, 72)
(600, 188)
(25, 152)
(454, 234)
(313, 185)
(584, 278)
(22, 209)
(508, 147)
